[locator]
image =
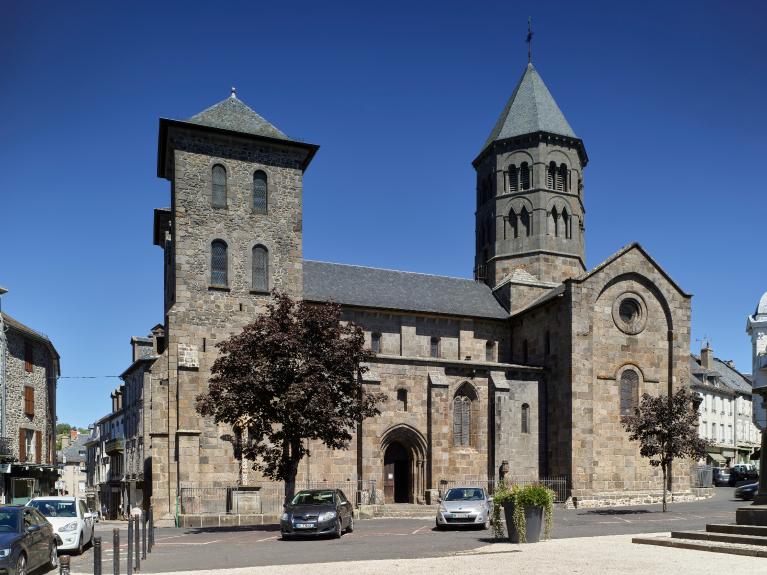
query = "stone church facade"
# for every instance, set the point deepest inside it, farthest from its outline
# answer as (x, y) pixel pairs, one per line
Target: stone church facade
(527, 367)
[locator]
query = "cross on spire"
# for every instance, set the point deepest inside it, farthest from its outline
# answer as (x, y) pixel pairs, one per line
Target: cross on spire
(529, 40)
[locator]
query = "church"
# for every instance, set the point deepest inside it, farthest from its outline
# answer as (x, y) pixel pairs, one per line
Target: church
(523, 371)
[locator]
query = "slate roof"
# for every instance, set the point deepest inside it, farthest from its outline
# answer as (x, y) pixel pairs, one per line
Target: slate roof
(232, 114)
(72, 453)
(408, 291)
(725, 375)
(530, 109)
(761, 307)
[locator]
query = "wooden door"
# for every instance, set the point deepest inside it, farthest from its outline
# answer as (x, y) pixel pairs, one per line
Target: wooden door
(389, 482)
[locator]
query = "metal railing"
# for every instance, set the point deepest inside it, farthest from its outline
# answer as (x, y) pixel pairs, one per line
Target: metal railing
(702, 476)
(559, 485)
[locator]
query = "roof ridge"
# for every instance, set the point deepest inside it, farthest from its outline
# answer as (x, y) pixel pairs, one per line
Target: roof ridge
(392, 270)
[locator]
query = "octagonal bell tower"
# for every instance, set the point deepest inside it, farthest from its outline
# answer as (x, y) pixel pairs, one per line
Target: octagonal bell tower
(530, 213)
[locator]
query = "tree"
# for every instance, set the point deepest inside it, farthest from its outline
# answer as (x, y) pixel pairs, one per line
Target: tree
(666, 428)
(292, 375)
(63, 428)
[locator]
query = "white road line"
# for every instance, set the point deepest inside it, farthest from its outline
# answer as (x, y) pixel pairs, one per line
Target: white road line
(190, 543)
(419, 529)
(266, 539)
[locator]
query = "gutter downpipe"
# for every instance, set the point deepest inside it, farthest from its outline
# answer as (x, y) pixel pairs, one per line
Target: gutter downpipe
(3, 348)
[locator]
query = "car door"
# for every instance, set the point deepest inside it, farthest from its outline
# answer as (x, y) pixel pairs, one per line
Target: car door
(48, 533)
(34, 536)
(344, 509)
(86, 519)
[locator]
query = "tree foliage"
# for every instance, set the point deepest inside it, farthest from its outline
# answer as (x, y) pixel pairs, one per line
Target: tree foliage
(666, 428)
(292, 375)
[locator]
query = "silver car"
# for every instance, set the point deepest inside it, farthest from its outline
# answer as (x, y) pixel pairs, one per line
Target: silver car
(464, 506)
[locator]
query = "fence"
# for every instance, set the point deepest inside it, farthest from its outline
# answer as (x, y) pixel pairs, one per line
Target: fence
(702, 476)
(559, 485)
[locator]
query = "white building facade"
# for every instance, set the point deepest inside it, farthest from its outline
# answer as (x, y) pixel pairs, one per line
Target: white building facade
(756, 327)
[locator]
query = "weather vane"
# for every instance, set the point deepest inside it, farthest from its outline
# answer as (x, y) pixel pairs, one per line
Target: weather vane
(529, 40)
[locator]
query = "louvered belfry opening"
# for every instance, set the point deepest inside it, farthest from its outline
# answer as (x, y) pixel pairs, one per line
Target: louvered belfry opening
(513, 178)
(524, 176)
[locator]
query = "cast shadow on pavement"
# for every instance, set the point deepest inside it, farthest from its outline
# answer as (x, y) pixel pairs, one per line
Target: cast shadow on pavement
(616, 512)
(238, 529)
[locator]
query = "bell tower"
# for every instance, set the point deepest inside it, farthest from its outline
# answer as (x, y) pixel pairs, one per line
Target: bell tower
(530, 213)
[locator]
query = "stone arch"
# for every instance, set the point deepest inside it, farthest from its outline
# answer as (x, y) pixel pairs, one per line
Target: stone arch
(403, 452)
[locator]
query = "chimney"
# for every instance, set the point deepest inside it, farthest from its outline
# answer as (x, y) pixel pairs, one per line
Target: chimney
(73, 434)
(707, 357)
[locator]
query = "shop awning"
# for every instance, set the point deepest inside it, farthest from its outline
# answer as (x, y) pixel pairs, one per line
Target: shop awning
(718, 458)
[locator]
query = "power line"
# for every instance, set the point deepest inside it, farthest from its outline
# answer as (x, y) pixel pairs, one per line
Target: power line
(85, 376)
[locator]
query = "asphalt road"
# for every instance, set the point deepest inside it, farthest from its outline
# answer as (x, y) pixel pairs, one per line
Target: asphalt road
(196, 549)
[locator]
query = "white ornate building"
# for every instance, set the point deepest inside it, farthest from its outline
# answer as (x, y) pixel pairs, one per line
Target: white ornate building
(756, 327)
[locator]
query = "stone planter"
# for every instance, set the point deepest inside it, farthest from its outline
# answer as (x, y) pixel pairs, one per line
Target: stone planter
(533, 523)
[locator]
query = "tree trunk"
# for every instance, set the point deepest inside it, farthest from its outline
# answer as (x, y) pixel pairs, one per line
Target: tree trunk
(292, 469)
(663, 466)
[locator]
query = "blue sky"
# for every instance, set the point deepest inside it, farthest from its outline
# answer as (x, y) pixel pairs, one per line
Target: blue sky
(667, 97)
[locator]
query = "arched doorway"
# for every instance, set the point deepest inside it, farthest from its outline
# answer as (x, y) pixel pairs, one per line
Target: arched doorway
(397, 467)
(404, 464)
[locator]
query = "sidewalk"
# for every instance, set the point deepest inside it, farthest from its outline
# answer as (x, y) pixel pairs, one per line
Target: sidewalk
(586, 555)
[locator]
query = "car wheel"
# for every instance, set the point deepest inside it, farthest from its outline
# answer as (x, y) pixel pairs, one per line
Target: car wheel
(337, 531)
(350, 527)
(486, 524)
(21, 565)
(285, 536)
(438, 526)
(80, 544)
(53, 560)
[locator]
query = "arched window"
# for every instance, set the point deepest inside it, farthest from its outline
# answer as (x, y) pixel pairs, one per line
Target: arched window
(434, 347)
(524, 220)
(218, 263)
(218, 194)
(551, 170)
(260, 193)
(375, 342)
(554, 218)
(260, 272)
(514, 222)
(490, 351)
(562, 178)
(402, 399)
(566, 222)
(525, 418)
(524, 176)
(629, 391)
(513, 178)
(463, 404)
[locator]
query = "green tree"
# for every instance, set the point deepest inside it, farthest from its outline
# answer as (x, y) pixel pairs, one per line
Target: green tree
(292, 375)
(63, 429)
(666, 428)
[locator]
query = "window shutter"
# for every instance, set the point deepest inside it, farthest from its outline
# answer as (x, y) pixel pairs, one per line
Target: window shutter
(38, 447)
(457, 420)
(22, 444)
(465, 421)
(29, 401)
(28, 357)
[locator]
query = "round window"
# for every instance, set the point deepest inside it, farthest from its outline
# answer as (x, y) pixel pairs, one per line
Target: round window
(630, 313)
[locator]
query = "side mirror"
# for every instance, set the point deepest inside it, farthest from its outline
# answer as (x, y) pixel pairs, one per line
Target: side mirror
(32, 528)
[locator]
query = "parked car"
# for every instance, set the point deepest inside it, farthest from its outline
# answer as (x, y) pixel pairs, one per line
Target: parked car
(746, 491)
(464, 506)
(317, 512)
(70, 518)
(720, 476)
(742, 472)
(27, 541)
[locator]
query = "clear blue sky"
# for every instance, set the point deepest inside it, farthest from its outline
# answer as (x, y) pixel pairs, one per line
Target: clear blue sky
(669, 98)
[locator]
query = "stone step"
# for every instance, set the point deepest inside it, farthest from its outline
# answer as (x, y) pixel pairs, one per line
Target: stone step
(721, 537)
(737, 529)
(698, 545)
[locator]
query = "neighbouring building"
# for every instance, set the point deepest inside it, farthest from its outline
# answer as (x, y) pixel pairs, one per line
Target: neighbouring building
(725, 411)
(73, 466)
(105, 459)
(29, 370)
(527, 367)
(756, 327)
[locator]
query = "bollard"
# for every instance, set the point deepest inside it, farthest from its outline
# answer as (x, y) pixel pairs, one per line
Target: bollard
(64, 565)
(151, 529)
(129, 569)
(137, 543)
(143, 537)
(116, 551)
(97, 556)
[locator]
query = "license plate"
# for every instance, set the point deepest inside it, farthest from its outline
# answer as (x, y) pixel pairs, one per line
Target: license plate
(460, 515)
(304, 525)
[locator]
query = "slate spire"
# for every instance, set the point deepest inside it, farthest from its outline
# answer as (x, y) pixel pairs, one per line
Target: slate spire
(232, 114)
(530, 109)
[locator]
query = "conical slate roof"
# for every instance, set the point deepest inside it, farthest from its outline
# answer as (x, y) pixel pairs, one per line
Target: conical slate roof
(530, 109)
(232, 114)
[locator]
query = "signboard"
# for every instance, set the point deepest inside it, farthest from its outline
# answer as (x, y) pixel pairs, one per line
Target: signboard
(5, 467)
(60, 485)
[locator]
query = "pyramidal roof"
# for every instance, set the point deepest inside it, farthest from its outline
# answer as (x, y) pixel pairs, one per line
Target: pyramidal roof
(232, 114)
(530, 109)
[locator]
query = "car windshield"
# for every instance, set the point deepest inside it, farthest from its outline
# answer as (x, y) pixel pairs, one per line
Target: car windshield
(313, 498)
(463, 494)
(54, 508)
(9, 520)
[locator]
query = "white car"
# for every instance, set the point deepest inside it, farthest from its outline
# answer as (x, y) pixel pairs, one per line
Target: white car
(70, 518)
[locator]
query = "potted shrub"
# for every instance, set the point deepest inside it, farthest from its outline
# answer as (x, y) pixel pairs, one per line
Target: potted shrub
(527, 509)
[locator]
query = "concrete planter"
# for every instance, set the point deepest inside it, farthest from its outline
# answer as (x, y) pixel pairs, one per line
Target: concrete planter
(533, 523)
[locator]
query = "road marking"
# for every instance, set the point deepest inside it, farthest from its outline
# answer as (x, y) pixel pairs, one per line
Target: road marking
(266, 539)
(419, 529)
(192, 543)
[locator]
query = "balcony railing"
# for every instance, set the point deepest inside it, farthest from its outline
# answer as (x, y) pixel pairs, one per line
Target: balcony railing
(115, 445)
